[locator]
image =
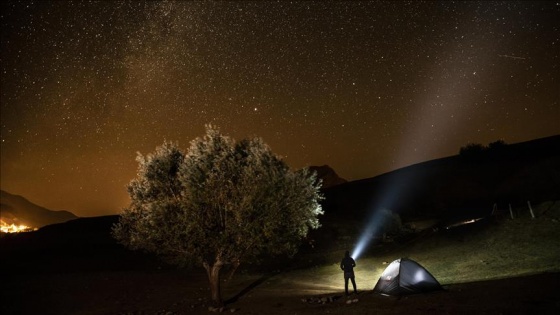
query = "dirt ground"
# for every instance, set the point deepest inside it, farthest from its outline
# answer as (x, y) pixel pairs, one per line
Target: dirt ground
(174, 292)
(507, 268)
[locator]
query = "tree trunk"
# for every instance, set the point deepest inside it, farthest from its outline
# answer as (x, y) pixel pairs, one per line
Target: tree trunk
(213, 272)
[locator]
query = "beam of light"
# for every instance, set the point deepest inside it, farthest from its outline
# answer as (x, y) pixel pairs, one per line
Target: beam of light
(374, 225)
(439, 113)
(364, 240)
(398, 186)
(387, 198)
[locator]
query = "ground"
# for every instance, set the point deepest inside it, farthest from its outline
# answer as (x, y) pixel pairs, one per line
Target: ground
(505, 267)
(171, 292)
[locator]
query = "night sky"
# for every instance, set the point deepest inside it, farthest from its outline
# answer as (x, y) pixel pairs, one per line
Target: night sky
(365, 87)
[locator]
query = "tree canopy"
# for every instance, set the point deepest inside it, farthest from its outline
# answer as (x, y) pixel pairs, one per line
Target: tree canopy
(476, 152)
(220, 202)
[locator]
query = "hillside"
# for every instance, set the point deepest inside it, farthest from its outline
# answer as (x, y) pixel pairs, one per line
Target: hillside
(80, 244)
(456, 186)
(17, 210)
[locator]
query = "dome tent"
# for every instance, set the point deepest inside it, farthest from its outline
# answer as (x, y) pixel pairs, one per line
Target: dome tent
(405, 276)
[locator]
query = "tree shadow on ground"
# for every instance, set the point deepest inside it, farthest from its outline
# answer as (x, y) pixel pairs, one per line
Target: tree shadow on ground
(250, 287)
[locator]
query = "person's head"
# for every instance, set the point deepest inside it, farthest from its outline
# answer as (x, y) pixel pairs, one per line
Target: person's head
(347, 254)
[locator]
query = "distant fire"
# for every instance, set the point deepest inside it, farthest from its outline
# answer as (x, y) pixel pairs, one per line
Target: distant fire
(12, 228)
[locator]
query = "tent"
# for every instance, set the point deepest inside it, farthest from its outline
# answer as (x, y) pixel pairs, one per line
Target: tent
(405, 276)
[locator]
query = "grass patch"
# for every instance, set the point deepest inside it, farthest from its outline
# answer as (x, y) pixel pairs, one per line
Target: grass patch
(477, 252)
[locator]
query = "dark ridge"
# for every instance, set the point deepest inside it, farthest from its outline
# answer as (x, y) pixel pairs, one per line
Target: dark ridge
(20, 211)
(457, 185)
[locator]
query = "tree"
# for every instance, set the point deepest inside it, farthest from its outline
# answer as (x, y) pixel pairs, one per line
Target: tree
(497, 145)
(472, 149)
(220, 203)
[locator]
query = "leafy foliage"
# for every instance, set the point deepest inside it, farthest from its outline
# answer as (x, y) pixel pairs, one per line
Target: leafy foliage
(477, 152)
(221, 202)
(471, 149)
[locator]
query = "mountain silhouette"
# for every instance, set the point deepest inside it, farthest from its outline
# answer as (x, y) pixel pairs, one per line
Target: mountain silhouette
(328, 176)
(461, 185)
(17, 210)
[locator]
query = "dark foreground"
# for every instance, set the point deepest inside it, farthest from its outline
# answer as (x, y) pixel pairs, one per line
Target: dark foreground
(77, 268)
(172, 292)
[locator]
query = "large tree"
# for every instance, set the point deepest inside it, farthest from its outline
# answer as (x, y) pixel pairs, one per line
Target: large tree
(220, 203)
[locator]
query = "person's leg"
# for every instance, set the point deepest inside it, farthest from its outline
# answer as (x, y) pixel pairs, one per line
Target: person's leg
(346, 285)
(353, 284)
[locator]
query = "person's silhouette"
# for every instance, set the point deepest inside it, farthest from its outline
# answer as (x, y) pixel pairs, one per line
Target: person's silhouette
(347, 264)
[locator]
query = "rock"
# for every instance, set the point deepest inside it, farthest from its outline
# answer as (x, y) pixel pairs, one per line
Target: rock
(215, 309)
(348, 301)
(319, 300)
(328, 176)
(355, 301)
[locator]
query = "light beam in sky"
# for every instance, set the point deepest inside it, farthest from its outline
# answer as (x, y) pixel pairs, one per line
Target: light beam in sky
(442, 112)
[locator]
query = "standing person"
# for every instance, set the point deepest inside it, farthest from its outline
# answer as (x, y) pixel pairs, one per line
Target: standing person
(347, 264)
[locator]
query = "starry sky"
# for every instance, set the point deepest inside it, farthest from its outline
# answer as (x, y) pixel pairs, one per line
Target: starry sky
(365, 87)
